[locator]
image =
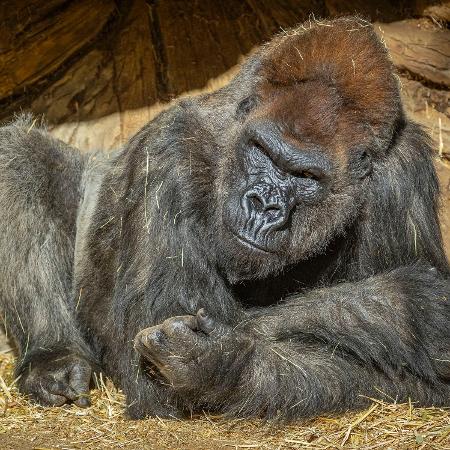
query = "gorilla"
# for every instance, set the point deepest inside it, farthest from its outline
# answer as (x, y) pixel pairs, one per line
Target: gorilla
(271, 249)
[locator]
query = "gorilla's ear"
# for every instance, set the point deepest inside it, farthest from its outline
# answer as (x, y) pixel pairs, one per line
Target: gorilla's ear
(400, 224)
(346, 54)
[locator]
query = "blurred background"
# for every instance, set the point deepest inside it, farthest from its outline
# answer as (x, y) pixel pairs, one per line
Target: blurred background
(97, 70)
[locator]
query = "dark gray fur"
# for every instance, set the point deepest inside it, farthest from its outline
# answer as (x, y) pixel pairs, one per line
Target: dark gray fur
(95, 250)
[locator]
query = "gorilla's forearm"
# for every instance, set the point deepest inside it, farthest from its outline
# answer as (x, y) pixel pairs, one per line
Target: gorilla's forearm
(289, 381)
(396, 321)
(333, 348)
(40, 182)
(330, 350)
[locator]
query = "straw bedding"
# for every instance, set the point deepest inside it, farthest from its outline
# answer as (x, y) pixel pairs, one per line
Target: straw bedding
(104, 426)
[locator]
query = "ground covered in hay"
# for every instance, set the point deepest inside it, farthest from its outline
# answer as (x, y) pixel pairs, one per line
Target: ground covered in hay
(103, 426)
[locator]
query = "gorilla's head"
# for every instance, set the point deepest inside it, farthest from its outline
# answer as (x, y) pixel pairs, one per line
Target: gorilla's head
(300, 129)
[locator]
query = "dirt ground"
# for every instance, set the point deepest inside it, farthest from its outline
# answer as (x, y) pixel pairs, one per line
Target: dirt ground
(103, 426)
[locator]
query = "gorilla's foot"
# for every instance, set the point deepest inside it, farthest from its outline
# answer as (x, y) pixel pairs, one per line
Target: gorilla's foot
(55, 378)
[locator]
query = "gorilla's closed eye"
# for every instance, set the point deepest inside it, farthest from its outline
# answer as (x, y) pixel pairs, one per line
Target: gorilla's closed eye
(262, 149)
(306, 174)
(245, 106)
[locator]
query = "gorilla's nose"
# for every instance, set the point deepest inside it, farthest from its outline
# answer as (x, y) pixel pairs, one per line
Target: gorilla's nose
(262, 206)
(269, 208)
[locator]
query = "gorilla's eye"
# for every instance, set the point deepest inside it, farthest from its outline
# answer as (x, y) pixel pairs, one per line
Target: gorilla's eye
(263, 150)
(306, 174)
(284, 166)
(258, 146)
(245, 106)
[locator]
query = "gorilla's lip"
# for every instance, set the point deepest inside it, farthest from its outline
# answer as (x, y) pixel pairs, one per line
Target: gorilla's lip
(249, 243)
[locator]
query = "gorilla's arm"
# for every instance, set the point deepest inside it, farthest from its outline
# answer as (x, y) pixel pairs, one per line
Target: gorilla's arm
(330, 350)
(385, 336)
(141, 256)
(396, 320)
(40, 184)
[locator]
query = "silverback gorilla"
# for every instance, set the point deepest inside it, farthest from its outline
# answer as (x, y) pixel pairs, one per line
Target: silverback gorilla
(270, 249)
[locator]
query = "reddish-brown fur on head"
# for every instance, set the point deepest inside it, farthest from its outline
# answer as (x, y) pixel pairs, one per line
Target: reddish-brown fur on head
(329, 81)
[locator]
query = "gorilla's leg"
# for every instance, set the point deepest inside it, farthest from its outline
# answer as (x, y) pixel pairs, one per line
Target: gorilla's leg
(39, 195)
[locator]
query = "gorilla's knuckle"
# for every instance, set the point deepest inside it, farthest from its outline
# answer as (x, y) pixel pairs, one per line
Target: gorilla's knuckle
(154, 337)
(177, 325)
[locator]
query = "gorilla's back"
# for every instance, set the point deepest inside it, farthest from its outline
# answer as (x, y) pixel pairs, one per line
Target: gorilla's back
(39, 172)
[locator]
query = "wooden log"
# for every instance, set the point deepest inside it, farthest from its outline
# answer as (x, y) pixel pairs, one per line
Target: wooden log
(154, 51)
(419, 48)
(38, 45)
(430, 108)
(211, 36)
(418, 97)
(116, 76)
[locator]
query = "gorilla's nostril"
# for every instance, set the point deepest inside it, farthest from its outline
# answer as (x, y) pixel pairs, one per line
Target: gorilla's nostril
(273, 211)
(268, 209)
(257, 203)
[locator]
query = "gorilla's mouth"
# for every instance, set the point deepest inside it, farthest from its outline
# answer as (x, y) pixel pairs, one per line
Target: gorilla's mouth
(246, 242)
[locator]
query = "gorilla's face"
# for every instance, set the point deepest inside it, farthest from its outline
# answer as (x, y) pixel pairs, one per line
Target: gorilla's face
(298, 129)
(296, 178)
(273, 181)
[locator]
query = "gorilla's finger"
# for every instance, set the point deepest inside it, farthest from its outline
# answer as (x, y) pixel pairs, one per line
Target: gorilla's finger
(79, 380)
(149, 341)
(46, 398)
(205, 322)
(83, 401)
(180, 323)
(61, 389)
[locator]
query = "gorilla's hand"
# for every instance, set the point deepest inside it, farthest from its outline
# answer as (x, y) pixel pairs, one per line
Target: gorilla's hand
(53, 379)
(197, 355)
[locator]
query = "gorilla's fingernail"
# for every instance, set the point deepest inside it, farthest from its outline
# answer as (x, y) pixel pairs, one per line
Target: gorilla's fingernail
(83, 402)
(202, 312)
